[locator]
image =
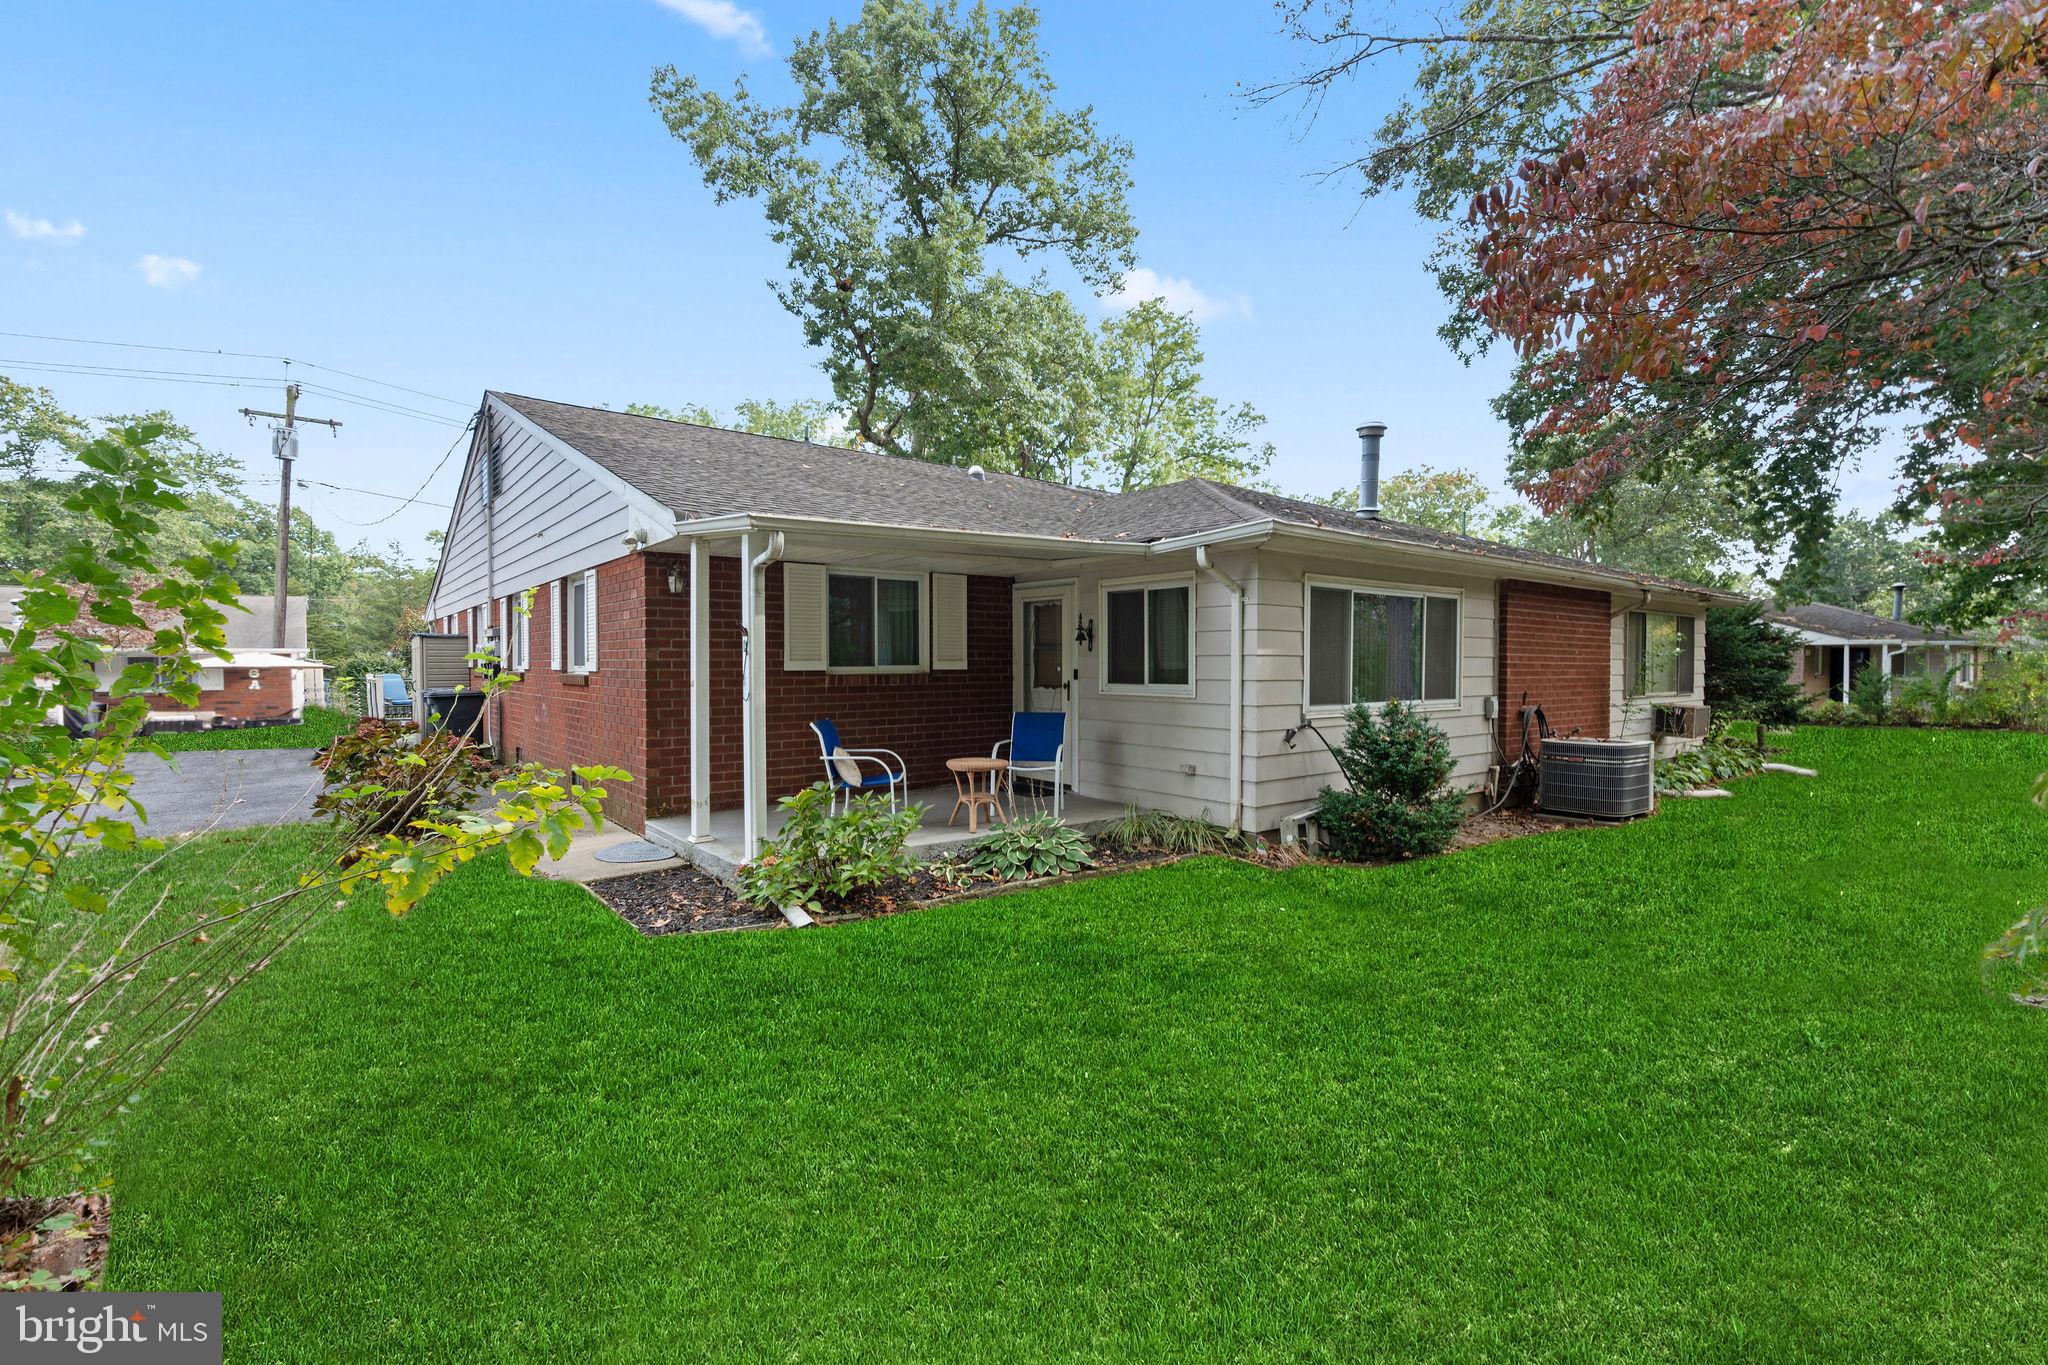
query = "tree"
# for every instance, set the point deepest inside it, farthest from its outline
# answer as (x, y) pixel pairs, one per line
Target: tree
(1785, 221)
(1157, 423)
(1775, 224)
(1749, 666)
(923, 142)
(1856, 565)
(802, 419)
(95, 991)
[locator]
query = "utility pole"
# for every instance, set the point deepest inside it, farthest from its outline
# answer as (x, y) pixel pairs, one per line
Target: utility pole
(284, 443)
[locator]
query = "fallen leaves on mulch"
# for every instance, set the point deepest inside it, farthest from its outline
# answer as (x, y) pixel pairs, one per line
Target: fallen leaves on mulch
(1508, 824)
(55, 1244)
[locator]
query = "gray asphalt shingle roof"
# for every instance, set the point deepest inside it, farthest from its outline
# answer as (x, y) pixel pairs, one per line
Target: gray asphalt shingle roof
(1849, 624)
(699, 471)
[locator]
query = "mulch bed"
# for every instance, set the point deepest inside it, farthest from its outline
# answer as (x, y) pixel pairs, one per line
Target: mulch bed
(680, 900)
(1512, 824)
(67, 1258)
(685, 900)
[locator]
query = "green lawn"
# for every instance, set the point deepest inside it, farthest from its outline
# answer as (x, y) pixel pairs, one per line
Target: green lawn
(319, 726)
(1723, 1085)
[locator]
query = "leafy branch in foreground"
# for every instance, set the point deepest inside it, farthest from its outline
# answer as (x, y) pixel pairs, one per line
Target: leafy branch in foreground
(98, 986)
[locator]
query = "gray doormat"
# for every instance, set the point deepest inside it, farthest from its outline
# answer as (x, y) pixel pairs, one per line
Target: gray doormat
(638, 851)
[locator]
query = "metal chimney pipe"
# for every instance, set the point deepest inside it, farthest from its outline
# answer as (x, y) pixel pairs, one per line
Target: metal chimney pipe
(1898, 601)
(1369, 468)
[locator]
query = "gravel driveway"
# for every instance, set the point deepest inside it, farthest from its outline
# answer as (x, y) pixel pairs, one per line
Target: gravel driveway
(225, 789)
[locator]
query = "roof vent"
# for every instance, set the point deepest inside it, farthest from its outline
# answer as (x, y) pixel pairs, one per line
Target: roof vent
(977, 473)
(1369, 468)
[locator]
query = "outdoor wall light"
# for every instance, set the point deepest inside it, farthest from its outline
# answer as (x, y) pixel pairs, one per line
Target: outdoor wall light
(1084, 634)
(677, 580)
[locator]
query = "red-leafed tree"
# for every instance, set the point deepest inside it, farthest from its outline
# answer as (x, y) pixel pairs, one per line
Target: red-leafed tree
(1751, 235)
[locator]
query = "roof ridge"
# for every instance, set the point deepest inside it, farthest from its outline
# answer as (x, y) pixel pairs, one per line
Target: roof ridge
(805, 445)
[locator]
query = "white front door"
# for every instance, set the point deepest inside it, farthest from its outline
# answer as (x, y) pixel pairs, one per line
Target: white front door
(1045, 654)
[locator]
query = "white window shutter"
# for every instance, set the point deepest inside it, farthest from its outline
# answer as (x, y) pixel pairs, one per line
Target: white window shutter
(803, 617)
(555, 631)
(590, 620)
(949, 621)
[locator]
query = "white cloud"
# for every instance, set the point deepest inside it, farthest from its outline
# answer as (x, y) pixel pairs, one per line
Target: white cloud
(1177, 293)
(168, 272)
(724, 19)
(42, 229)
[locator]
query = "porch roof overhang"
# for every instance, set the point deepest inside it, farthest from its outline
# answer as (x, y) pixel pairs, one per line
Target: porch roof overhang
(1506, 566)
(883, 546)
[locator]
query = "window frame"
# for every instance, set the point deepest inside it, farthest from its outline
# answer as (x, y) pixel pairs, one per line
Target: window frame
(1629, 690)
(580, 637)
(1421, 593)
(924, 620)
(1145, 585)
(518, 632)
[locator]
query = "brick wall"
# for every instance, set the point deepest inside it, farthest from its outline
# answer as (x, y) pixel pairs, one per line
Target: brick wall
(634, 711)
(1556, 645)
(268, 703)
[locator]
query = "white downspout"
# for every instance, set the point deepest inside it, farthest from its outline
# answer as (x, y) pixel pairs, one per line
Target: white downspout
(1236, 591)
(753, 690)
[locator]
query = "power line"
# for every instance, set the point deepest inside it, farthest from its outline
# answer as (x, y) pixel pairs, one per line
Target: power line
(370, 492)
(217, 380)
(239, 355)
(414, 497)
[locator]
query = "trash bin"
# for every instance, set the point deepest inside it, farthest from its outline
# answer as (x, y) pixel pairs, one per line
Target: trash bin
(458, 709)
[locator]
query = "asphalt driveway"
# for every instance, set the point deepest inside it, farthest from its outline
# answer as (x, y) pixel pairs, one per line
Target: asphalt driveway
(225, 789)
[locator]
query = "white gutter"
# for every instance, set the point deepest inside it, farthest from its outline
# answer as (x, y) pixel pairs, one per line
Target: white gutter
(1236, 591)
(1592, 575)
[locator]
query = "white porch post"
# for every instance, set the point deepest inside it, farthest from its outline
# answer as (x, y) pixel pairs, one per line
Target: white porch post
(1846, 679)
(700, 692)
(753, 737)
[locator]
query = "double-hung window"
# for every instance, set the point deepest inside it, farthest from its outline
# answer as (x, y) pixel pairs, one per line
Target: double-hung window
(1658, 657)
(874, 621)
(517, 631)
(1149, 637)
(1372, 644)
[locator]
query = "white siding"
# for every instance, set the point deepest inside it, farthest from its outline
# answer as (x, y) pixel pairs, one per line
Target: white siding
(553, 516)
(1630, 717)
(1282, 779)
(1134, 748)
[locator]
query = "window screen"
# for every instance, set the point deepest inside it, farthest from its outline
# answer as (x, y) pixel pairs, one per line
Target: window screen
(1366, 646)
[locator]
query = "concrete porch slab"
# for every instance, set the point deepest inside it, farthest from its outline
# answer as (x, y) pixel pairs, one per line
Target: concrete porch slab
(720, 856)
(580, 863)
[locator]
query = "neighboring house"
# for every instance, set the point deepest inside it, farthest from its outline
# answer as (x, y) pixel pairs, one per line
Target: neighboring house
(252, 684)
(699, 595)
(1838, 643)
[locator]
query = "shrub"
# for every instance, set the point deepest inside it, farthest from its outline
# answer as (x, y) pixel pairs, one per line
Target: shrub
(1396, 763)
(1749, 665)
(384, 776)
(821, 859)
(1036, 846)
(1870, 694)
(1715, 759)
(1141, 829)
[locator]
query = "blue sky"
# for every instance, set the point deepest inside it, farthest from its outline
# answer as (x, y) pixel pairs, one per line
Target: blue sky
(454, 197)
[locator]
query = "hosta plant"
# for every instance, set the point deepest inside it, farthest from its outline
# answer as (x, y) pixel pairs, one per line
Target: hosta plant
(1036, 846)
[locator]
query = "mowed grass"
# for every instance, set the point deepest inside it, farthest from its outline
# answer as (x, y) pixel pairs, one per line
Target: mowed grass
(319, 726)
(1723, 1085)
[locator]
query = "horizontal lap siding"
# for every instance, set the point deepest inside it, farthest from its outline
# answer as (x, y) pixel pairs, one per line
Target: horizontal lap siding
(1284, 779)
(1631, 717)
(550, 518)
(1133, 747)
